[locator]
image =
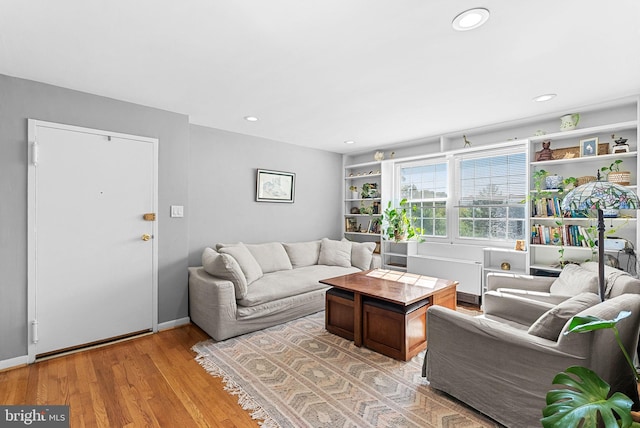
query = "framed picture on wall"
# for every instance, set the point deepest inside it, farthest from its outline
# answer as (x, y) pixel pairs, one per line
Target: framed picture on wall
(275, 186)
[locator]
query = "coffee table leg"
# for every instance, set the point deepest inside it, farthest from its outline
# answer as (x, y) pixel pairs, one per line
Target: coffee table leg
(357, 319)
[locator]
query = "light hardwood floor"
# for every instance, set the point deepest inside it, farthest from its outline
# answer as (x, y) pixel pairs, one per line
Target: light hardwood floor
(150, 381)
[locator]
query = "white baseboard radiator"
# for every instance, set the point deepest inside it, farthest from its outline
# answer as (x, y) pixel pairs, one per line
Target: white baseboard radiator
(467, 272)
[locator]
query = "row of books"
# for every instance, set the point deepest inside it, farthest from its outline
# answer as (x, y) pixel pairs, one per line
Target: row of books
(546, 207)
(569, 235)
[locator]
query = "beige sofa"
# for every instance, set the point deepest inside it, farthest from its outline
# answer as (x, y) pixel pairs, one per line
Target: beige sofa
(242, 288)
(502, 363)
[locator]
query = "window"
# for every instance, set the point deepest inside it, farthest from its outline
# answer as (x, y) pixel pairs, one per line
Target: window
(491, 191)
(425, 186)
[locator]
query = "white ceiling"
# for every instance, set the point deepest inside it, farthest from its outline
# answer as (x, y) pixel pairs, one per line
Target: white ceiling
(319, 72)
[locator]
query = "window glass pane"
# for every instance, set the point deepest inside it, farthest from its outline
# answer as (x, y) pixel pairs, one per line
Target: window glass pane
(425, 186)
(481, 229)
(495, 186)
(466, 228)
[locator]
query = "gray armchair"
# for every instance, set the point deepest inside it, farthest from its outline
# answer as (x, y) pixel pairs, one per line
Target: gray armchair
(493, 364)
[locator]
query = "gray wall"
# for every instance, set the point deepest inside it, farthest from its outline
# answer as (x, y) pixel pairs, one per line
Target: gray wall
(210, 172)
(21, 99)
(222, 182)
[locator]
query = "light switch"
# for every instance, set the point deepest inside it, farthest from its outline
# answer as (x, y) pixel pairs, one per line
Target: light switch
(177, 211)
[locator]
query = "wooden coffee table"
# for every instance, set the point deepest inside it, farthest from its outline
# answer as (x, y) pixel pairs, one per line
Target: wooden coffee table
(383, 314)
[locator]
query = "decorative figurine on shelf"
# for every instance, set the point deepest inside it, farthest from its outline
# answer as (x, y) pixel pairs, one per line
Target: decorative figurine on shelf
(379, 156)
(467, 143)
(545, 153)
(621, 145)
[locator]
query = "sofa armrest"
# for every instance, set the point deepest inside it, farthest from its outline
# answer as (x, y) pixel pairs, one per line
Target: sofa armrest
(212, 302)
(540, 296)
(497, 280)
(513, 307)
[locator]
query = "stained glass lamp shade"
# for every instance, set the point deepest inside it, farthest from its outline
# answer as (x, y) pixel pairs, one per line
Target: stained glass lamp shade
(606, 198)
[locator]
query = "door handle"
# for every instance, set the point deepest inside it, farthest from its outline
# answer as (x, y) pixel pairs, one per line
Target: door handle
(146, 237)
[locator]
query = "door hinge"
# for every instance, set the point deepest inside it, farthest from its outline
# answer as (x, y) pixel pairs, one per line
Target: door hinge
(35, 151)
(34, 331)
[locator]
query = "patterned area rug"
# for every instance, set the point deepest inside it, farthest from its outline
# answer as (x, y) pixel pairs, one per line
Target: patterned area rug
(299, 375)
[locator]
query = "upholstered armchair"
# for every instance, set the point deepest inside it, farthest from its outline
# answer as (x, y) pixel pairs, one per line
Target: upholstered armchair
(502, 362)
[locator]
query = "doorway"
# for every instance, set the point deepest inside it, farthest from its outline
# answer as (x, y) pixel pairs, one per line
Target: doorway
(92, 236)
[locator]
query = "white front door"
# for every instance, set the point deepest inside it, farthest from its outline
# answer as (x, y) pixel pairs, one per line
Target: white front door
(92, 255)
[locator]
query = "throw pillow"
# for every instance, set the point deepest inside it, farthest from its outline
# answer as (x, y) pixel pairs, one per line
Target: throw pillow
(551, 323)
(361, 254)
(335, 253)
(271, 256)
(573, 280)
(611, 275)
(303, 253)
(225, 267)
(247, 262)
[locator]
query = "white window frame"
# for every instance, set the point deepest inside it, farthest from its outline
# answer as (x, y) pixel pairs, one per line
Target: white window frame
(423, 162)
(457, 194)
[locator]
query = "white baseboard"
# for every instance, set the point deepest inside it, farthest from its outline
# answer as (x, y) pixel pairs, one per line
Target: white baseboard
(174, 323)
(14, 362)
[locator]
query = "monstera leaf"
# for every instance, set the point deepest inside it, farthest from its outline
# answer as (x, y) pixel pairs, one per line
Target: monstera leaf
(588, 397)
(590, 323)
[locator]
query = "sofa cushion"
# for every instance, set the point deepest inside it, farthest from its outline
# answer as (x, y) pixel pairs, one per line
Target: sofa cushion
(282, 284)
(245, 259)
(361, 254)
(271, 256)
(224, 266)
(551, 323)
(303, 253)
(573, 280)
(335, 253)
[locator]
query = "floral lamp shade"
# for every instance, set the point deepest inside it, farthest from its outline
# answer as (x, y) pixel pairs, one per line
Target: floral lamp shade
(606, 198)
(604, 195)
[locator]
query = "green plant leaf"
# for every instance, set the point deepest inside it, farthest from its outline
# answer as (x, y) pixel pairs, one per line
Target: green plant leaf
(590, 323)
(586, 397)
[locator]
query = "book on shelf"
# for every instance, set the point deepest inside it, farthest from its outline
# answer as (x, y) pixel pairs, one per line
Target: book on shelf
(571, 235)
(546, 207)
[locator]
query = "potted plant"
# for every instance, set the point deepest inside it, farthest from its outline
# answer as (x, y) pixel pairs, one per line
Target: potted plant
(354, 192)
(397, 225)
(588, 396)
(539, 178)
(369, 190)
(614, 175)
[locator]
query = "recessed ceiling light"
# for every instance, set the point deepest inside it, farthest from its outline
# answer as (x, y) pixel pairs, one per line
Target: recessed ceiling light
(349, 142)
(545, 97)
(470, 19)
(251, 118)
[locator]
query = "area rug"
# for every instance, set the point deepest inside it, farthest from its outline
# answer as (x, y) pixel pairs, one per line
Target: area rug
(299, 375)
